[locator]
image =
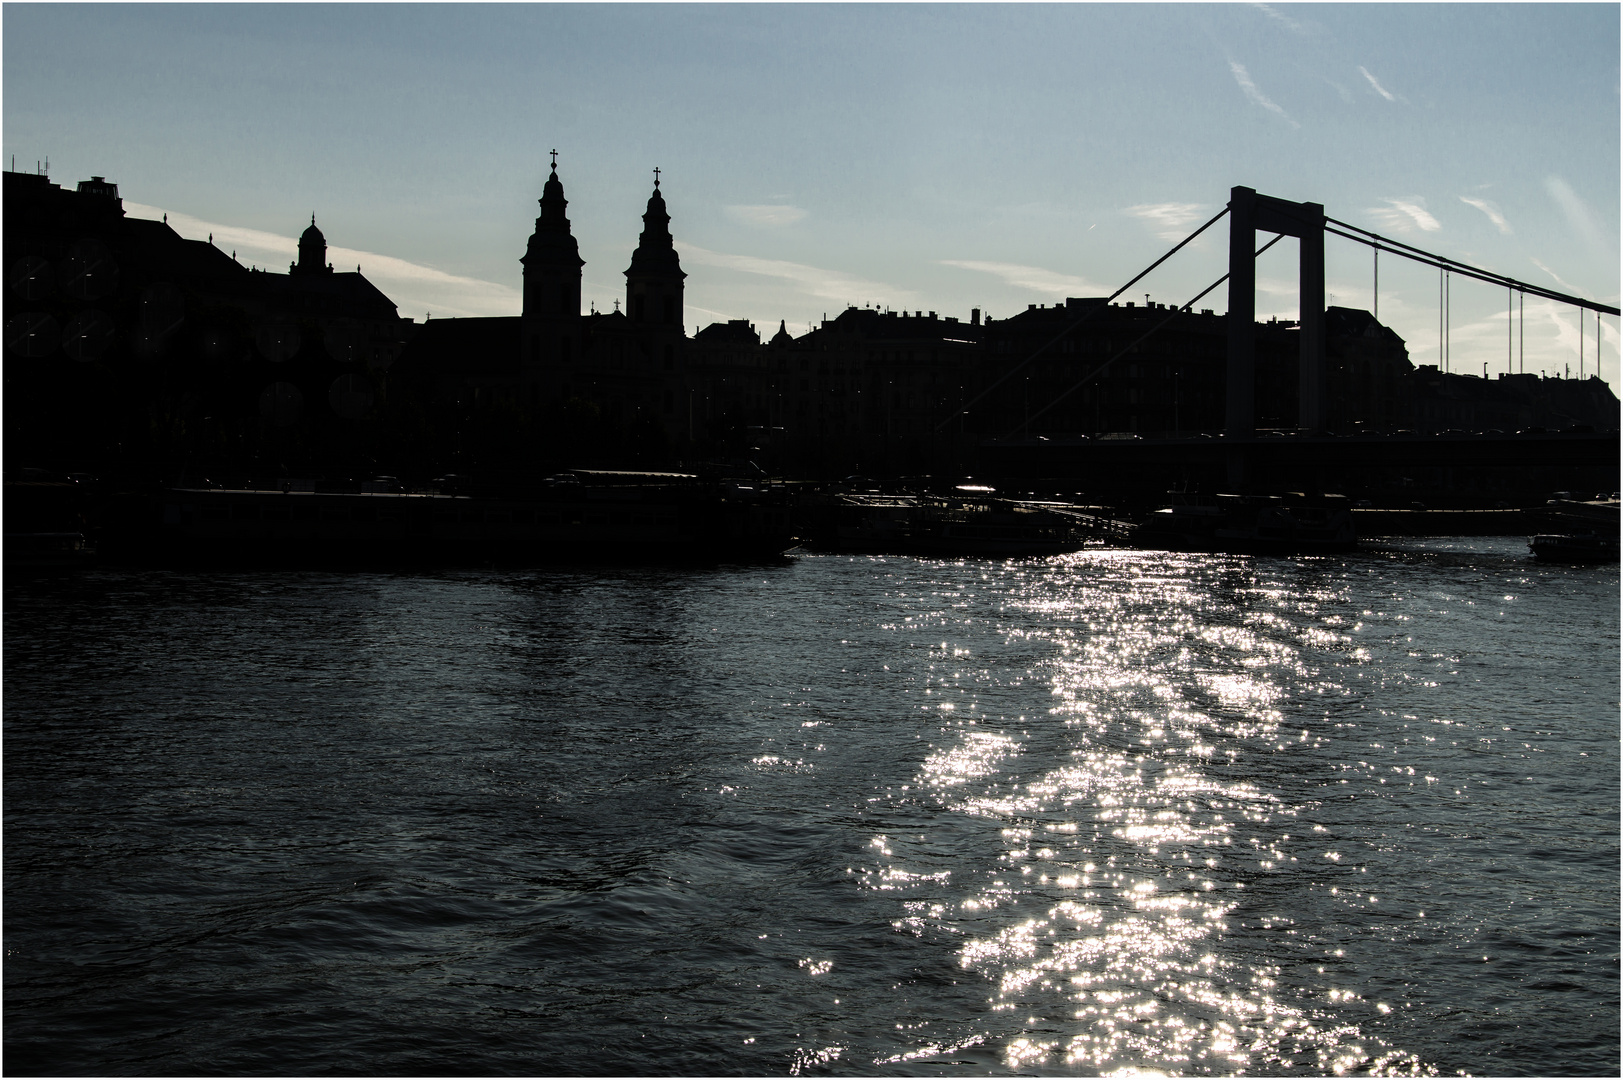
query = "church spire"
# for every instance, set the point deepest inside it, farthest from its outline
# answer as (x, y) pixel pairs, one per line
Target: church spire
(552, 259)
(656, 250)
(654, 279)
(553, 203)
(550, 323)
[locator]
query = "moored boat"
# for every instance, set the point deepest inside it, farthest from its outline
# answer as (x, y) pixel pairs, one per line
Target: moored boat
(1577, 530)
(968, 521)
(1574, 548)
(621, 517)
(1289, 524)
(48, 521)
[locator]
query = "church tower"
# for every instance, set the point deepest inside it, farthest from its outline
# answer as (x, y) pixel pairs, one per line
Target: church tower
(552, 268)
(654, 281)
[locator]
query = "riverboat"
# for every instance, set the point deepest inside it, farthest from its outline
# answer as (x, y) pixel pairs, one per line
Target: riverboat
(1578, 531)
(595, 516)
(1289, 524)
(970, 521)
(47, 519)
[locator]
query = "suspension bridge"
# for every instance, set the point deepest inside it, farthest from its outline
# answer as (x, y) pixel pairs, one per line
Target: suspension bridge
(1247, 456)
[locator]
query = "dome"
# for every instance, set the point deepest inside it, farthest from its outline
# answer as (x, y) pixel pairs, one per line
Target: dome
(312, 252)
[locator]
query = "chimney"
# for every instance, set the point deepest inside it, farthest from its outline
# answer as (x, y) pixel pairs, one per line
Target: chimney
(974, 316)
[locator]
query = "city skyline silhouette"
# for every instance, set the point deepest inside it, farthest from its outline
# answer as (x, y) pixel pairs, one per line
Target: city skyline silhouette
(995, 158)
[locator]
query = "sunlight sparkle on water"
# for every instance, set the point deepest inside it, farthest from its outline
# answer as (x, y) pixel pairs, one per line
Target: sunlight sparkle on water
(1118, 867)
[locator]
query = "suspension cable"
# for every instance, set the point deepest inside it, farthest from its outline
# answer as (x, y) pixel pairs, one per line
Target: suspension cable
(1148, 333)
(1086, 315)
(1427, 258)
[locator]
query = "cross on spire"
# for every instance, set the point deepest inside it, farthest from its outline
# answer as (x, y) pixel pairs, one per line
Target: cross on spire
(555, 161)
(656, 176)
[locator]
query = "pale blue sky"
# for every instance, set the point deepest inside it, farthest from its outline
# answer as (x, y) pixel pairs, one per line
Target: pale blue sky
(920, 156)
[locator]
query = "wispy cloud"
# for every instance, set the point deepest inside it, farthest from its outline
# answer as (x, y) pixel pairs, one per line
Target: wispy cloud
(1243, 77)
(1376, 84)
(1559, 280)
(1580, 217)
(766, 215)
(1033, 278)
(415, 288)
(827, 284)
(1170, 221)
(1491, 210)
(1284, 20)
(247, 242)
(1405, 215)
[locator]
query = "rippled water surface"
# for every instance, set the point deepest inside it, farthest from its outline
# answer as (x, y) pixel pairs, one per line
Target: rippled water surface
(1115, 810)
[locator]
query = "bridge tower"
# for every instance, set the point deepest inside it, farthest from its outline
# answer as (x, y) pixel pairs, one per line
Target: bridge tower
(1249, 212)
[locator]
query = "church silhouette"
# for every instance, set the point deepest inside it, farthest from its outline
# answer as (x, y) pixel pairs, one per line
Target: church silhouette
(620, 370)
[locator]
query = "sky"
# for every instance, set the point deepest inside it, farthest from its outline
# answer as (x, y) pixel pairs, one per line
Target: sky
(911, 156)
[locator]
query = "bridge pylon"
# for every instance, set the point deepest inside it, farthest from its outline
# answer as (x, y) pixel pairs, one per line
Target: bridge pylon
(1248, 212)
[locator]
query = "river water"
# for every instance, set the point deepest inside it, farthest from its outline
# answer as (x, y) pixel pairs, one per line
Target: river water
(1115, 810)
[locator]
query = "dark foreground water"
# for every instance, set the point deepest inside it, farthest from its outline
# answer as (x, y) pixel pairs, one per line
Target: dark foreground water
(1183, 813)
